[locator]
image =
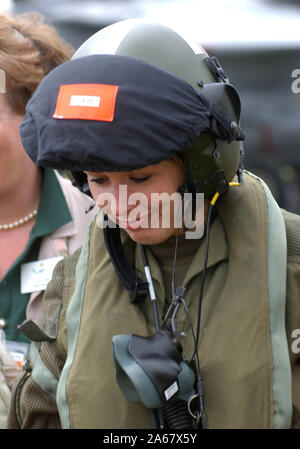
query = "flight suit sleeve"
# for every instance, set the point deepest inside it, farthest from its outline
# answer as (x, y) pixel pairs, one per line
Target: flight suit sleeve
(293, 334)
(292, 223)
(33, 404)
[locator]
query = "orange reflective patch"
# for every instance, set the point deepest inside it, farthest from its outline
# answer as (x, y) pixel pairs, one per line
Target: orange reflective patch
(86, 102)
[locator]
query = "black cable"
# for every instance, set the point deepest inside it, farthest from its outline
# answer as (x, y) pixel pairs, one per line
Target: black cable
(173, 280)
(195, 336)
(150, 286)
(174, 262)
(173, 318)
(193, 333)
(202, 281)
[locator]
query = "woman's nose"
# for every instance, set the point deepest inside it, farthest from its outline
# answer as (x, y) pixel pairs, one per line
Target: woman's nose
(120, 194)
(114, 200)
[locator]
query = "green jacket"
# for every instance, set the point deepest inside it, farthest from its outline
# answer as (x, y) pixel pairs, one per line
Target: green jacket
(251, 307)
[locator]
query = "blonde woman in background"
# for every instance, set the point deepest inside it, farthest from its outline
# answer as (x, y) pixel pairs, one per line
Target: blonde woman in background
(38, 219)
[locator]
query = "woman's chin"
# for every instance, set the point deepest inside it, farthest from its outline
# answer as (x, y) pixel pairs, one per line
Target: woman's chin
(149, 236)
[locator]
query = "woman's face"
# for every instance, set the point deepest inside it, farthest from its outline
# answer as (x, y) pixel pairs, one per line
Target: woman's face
(140, 201)
(13, 159)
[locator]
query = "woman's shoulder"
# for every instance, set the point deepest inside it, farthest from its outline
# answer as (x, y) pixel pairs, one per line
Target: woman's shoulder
(292, 225)
(65, 269)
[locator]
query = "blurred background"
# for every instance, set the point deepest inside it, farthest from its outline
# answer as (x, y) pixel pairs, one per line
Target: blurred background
(256, 41)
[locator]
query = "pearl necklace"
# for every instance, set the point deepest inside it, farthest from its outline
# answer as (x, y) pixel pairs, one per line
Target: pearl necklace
(22, 221)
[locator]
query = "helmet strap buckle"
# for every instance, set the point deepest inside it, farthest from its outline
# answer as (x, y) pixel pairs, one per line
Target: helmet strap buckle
(216, 69)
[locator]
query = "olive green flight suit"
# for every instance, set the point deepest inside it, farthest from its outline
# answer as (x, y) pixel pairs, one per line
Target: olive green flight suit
(251, 307)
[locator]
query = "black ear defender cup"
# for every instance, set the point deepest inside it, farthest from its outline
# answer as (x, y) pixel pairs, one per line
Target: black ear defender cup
(150, 370)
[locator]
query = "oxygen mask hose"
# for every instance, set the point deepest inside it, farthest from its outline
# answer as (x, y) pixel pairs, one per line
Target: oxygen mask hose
(176, 415)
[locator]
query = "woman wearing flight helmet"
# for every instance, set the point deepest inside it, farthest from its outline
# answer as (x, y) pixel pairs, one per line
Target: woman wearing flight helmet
(144, 327)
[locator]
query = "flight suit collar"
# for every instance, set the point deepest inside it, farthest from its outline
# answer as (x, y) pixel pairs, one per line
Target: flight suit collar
(218, 251)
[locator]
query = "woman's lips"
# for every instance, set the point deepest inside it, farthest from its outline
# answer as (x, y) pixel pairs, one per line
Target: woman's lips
(134, 224)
